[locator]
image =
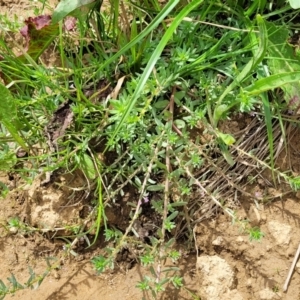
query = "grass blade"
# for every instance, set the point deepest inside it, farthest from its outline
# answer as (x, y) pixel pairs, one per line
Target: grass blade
(8, 116)
(156, 21)
(272, 82)
(152, 61)
(251, 65)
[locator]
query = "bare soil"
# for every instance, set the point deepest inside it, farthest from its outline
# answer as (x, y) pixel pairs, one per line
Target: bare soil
(223, 263)
(226, 265)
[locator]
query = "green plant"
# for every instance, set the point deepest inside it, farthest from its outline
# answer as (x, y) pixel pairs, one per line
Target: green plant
(275, 289)
(15, 225)
(33, 282)
(101, 263)
(137, 102)
(255, 234)
(159, 276)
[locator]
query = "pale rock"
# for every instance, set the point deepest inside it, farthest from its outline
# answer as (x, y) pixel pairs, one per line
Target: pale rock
(267, 294)
(281, 232)
(51, 206)
(216, 279)
(218, 241)
(254, 216)
(249, 282)
(239, 240)
(13, 230)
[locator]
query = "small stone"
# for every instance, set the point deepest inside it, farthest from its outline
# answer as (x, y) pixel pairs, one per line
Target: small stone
(239, 240)
(249, 282)
(218, 241)
(267, 294)
(22, 243)
(258, 263)
(281, 232)
(13, 230)
(273, 192)
(254, 216)
(263, 217)
(290, 251)
(253, 273)
(79, 258)
(260, 181)
(56, 275)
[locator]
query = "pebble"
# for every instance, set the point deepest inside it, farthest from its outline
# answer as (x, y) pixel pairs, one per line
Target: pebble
(218, 241)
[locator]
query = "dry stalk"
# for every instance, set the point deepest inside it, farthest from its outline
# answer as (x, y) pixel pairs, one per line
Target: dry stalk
(217, 175)
(249, 152)
(168, 164)
(137, 209)
(213, 198)
(291, 269)
(120, 187)
(167, 186)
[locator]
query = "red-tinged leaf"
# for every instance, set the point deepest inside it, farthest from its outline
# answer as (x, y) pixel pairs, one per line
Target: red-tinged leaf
(69, 23)
(39, 33)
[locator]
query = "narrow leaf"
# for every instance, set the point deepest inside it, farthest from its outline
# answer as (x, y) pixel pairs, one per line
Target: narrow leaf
(282, 58)
(8, 115)
(88, 166)
(172, 216)
(252, 64)
(155, 188)
(155, 56)
(272, 82)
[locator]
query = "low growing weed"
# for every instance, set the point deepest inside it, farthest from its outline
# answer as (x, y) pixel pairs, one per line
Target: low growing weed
(136, 102)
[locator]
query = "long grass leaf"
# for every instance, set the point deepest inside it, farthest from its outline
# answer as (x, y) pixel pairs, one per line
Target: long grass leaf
(100, 212)
(268, 121)
(9, 117)
(272, 82)
(156, 21)
(152, 61)
(261, 73)
(252, 64)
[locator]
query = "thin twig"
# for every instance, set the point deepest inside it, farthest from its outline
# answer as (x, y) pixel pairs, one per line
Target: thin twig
(139, 203)
(168, 164)
(167, 187)
(197, 182)
(291, 269)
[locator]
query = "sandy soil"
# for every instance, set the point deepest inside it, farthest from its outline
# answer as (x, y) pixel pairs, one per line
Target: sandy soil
(227, 266)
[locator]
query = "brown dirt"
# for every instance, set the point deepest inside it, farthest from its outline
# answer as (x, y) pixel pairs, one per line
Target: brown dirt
(226, 265)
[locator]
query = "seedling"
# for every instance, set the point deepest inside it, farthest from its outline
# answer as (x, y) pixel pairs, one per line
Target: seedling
(255, 234)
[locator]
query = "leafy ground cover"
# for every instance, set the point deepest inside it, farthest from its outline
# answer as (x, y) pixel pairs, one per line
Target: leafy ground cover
(130, 126)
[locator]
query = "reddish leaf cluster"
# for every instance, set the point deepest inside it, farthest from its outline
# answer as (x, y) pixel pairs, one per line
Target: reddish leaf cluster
(39, 32)
(29, 31)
